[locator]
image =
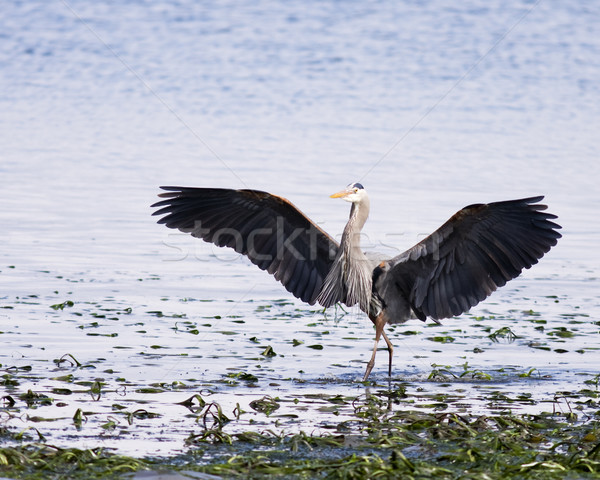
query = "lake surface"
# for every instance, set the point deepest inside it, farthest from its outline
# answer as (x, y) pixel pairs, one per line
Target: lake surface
(431, 105)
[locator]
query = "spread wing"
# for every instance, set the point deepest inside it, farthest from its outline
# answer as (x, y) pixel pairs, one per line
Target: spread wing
(478, 250)
(268, 229)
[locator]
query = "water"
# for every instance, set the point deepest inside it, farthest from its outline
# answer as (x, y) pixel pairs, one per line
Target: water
(431, 105)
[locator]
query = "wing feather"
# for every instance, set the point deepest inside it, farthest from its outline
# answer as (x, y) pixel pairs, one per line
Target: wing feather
(268, 229)
(477, 250)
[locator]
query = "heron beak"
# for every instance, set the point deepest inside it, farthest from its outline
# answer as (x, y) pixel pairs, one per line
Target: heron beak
(342, 193)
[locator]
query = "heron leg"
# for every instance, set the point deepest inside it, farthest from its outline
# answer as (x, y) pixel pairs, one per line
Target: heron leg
(390, 351)
(379, 322)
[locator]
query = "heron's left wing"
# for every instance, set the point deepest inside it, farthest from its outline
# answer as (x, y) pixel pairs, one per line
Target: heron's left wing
(268, 229)
(477, 250)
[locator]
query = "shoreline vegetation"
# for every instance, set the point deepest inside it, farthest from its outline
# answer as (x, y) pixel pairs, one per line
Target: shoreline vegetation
(385, 438)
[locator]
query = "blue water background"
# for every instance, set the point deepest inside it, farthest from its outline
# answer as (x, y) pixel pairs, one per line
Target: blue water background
(431, 105)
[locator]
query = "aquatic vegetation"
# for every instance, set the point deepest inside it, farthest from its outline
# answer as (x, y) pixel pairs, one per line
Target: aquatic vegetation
(265, 390)
(41, 461)
(384, 442)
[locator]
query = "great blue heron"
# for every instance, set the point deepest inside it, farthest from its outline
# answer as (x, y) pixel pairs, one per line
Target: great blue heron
(476, 251)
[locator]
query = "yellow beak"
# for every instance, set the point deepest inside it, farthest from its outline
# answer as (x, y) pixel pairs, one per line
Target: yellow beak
(341, 193)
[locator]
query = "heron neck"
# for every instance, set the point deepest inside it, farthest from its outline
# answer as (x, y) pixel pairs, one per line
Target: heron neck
(358, 215)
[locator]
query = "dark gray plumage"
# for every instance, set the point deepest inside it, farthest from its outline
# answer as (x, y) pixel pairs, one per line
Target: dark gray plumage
(266, 228)
(476, 251)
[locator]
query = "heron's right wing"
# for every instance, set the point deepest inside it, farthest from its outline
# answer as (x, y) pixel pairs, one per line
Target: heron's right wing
(268, 229)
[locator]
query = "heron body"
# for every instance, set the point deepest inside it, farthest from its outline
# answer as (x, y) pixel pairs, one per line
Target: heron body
(477, 250)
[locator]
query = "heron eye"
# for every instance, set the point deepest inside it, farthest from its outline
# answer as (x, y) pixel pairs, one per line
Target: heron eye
(356, 190)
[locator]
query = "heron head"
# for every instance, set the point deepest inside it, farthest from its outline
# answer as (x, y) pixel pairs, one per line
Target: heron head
(354, 193)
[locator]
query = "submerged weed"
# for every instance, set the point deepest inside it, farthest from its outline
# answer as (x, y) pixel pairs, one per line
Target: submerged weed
(40, 461)
(504, 332)
(61, 306)
(266, 405)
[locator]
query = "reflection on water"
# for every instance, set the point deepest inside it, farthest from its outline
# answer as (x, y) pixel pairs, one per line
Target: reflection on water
(431, 106)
